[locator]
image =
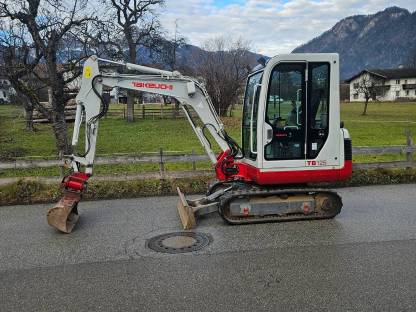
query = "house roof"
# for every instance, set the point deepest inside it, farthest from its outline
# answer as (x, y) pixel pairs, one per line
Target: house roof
(393, 73)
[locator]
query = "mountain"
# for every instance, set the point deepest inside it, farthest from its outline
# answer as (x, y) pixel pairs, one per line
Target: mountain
(188, 58)
(382, 40)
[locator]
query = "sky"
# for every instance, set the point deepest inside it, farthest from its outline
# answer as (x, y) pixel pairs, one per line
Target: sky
(270, 26)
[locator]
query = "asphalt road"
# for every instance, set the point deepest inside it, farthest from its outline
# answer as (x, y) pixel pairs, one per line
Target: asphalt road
(363, 260)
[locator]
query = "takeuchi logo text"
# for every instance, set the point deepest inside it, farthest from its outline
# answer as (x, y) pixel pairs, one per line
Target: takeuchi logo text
(152, 85)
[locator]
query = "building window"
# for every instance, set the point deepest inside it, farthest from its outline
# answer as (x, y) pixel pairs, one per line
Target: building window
(398, 81)
(355, 96)
(397, 93)
(355, 85)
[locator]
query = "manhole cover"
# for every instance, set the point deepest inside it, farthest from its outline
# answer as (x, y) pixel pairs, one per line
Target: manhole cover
(179, 242)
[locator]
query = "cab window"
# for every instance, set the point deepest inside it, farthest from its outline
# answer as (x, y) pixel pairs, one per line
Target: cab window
(250, 108)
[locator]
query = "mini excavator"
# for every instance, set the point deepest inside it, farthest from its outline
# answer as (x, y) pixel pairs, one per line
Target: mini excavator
(292, 137)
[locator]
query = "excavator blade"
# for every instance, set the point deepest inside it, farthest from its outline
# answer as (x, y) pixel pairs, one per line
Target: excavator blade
(64, 215)
(245, 204)
(186, 213)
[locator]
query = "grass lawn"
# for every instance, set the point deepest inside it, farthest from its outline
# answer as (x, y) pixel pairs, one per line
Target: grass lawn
(115, 136)
(384, 125)
(107, 169)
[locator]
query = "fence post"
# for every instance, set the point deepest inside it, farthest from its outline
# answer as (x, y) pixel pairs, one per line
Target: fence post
(161, 163)
(61, 171)
(61, 167)
(193, 160)
(409, 144)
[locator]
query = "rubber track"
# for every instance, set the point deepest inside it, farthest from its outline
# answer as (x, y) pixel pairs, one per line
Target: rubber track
(320, 214)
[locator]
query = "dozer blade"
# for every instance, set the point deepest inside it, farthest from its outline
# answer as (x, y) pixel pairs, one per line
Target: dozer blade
(186, 213)
(64, 215)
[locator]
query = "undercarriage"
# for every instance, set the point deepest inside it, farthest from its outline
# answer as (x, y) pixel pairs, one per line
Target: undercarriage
(241, 203)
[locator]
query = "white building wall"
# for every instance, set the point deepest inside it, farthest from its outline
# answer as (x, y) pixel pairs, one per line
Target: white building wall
(397, 90)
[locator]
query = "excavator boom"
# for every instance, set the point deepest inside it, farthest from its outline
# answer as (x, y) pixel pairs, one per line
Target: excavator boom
(91, 107)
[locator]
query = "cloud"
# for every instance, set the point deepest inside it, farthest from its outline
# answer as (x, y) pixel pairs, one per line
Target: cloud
(272, 26)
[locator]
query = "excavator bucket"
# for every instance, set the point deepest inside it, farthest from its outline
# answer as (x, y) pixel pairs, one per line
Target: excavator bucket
(64, 215)
(186, 213)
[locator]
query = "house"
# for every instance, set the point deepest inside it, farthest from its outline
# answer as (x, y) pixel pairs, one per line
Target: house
(5, 90)
(397, 84)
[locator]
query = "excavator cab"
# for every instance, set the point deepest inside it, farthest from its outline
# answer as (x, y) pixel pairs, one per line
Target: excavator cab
(291, 122)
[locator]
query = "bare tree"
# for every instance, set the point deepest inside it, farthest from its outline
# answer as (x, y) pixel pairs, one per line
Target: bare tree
(224, 68)
(18, 60)
(167, 52)
(370, 88)
(53, 24)
(138, 24)
(167, 48)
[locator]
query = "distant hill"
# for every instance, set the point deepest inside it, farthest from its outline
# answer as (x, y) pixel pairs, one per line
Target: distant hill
(382, 40)
(187, 57)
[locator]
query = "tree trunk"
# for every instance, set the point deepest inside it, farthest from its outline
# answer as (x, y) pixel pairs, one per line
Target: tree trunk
(57, 101)
(231, 110)
(130, 94)
(176, 108)
(60, 132)
(365, 107)
(50, 96)
(29, 118)
(130, 106)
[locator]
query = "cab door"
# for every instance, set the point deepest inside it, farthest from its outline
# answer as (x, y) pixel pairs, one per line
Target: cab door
(318, 108)
(285, 116)
(250, 117)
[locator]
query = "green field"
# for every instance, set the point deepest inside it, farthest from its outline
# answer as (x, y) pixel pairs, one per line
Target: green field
(384, 125)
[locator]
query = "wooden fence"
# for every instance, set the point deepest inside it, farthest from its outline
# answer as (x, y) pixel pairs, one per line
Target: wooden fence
(152, 112)
(162, 157)
(140, 112)
(407, 149)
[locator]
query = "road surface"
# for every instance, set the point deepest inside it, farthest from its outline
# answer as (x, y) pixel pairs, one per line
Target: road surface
(363, 260)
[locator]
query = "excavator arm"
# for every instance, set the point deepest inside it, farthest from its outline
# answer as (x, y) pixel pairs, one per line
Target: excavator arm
(91, 107)
(186, 90)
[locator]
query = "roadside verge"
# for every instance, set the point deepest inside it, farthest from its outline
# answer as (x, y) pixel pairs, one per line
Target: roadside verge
(14, 191)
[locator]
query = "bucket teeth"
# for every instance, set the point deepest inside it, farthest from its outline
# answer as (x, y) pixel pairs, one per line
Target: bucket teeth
(64, 215)
(186, 212)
